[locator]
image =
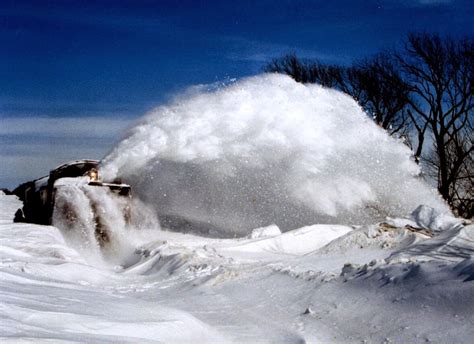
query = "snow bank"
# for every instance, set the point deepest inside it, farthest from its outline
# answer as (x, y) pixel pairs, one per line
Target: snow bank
(263, 232)
(299, 241)
(429, 218)
(267, 150)
(397, 285)
(50, 294)
(453, 245)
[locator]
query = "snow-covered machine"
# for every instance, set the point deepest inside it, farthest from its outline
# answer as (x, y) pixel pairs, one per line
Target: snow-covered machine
(38, 196)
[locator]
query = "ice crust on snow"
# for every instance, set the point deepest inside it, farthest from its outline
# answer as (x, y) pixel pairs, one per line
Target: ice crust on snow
(267, 150)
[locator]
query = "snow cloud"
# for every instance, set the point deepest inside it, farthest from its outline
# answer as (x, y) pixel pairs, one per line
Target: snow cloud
(267, 150)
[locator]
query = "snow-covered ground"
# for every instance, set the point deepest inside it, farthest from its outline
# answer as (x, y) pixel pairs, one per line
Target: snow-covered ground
(396, 282)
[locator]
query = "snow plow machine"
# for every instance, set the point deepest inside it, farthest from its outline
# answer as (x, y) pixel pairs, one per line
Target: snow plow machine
(38, 196)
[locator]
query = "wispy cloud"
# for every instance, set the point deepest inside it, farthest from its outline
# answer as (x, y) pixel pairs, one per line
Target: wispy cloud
(31, 146)
(416, 3)
(64, 126)
(431, 2)
(243, 49)
(92, 16)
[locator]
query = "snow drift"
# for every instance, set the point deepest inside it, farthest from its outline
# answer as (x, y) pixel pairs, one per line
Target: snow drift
(267, 150)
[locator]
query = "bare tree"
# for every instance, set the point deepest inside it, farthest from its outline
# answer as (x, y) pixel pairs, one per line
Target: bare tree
(308, 72)
(438, 72)
(378, 87)
(292, 66)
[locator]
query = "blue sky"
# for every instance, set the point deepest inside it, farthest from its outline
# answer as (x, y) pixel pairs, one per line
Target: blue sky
(66, 66)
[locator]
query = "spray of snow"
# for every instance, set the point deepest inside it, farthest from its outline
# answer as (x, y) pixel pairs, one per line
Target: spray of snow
(104, 227)
(267, 150)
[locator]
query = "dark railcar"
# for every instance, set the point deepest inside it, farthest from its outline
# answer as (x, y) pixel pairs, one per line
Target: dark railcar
(38, 195)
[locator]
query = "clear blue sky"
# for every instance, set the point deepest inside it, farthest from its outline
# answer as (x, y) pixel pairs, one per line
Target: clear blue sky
(102, 64)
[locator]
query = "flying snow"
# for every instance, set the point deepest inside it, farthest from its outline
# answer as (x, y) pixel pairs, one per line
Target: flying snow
(267, 150)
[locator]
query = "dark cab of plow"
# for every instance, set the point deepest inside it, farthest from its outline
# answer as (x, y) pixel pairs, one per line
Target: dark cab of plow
(38, 196)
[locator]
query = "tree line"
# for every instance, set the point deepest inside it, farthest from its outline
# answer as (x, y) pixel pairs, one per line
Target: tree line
(422, 92)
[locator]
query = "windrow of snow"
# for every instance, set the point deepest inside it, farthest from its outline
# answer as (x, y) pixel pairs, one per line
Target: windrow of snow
(267, 150)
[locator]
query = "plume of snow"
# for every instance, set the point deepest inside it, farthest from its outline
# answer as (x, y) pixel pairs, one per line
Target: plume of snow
(267, 150)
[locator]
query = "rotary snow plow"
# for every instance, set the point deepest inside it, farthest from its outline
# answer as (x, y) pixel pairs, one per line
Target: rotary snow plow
(39, 195)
